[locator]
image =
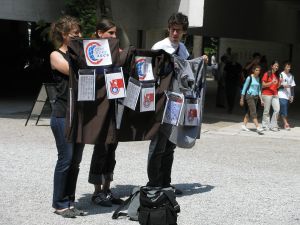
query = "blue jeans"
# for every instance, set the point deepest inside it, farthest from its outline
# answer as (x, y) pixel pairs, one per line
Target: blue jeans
(67, 166)
(284, 105)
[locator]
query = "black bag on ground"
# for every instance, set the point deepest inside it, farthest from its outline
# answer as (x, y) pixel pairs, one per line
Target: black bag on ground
(158, 206)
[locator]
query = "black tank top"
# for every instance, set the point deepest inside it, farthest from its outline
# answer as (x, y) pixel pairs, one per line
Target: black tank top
(62, 83)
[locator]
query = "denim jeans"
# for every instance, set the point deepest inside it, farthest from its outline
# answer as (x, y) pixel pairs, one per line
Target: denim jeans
(284, 106)
(160, 161)
(103, 163)
(67, 166)
(270, 100)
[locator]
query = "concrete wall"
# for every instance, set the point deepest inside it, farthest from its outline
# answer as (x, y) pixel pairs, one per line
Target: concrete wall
(194, 9)
(295, 63)
(134, 15)
(31, 10)
(151, 16)
(257, 19)
(245, 48)
(271, 25)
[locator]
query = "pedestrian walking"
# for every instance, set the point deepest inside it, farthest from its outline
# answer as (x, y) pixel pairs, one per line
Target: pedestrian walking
(232, 81)
(286, 93)
(251, 92)
(270, 85)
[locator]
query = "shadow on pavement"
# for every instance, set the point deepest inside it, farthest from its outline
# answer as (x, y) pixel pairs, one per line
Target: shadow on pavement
(119, 191)
(123, 191)
(193, 188)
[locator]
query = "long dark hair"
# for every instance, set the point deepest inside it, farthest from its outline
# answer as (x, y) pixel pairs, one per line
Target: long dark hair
(104, 25)
(270, 70)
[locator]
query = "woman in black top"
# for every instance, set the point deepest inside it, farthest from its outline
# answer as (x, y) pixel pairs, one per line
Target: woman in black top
(69, 154)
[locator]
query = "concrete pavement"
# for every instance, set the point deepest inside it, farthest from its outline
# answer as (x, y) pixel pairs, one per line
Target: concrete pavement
(229, 177)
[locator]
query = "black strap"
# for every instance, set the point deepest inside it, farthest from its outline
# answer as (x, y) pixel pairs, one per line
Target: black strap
(177, 50)
(118, 212)
(248, 84)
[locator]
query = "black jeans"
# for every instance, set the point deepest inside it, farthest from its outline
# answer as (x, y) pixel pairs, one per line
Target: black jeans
(67, 166)
(103, 163)
(160, 161)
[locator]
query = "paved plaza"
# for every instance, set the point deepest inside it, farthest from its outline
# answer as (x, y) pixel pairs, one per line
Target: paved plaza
(229, 177)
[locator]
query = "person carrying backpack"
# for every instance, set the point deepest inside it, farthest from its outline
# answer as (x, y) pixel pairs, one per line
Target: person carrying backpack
(249, 97)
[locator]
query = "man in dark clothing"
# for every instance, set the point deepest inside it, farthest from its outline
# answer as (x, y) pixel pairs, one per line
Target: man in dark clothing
(232, 81)
(161, 150)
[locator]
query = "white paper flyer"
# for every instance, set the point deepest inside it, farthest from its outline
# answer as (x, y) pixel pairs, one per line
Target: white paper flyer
(97, 52)
(143, 66)
(115, 85)
(132, 93)
(147, 99)
(86, 85)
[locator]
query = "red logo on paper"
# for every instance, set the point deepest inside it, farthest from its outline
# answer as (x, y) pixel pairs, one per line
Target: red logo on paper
(148, 98)
(192, 114)
(115, 86)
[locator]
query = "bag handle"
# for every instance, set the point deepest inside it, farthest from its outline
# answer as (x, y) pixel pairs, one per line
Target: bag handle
(118, 212)
(172, 200)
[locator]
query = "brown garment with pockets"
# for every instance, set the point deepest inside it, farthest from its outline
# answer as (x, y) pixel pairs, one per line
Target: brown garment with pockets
(136, 125)
(90, 122)
(95, 122)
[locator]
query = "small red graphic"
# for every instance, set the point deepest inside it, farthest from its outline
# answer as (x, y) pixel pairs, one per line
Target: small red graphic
(115, 86)
(148, 99)
(192, 114)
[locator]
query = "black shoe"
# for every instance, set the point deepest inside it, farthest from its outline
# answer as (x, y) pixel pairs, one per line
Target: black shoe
(113, 199)
(102, 199)
(68, 213)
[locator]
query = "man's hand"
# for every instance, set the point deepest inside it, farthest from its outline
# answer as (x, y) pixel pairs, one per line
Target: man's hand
(205, 58)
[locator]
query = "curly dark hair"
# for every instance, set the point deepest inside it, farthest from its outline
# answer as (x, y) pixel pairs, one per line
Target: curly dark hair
(179, 19)
(63, 25)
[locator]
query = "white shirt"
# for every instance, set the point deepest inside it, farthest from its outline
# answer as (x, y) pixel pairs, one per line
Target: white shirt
(287, 79)
(171, 48)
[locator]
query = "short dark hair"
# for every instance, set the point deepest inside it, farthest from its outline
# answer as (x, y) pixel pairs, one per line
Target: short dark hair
(287, 63)
(179, 19)
(256, 66)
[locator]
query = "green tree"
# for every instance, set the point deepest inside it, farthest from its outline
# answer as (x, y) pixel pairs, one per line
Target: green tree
(86, 12)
